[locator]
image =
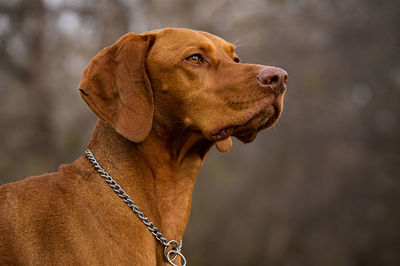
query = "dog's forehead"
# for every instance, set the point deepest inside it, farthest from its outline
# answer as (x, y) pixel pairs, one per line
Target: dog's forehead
(181, 37)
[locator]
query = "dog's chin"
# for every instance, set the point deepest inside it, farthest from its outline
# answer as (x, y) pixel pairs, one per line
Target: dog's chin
(247, 138)
(247, 135)
(247, 132)
(265, 119)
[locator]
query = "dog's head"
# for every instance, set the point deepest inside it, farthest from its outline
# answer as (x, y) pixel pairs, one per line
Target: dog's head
(180, 80)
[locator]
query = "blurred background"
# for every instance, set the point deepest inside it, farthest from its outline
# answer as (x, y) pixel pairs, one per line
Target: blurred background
(320, 188)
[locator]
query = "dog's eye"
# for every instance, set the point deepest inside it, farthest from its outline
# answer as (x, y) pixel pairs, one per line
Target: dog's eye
(195, 59)
(236, 59)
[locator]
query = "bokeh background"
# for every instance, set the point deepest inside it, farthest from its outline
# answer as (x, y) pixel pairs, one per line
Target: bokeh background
(320, 188)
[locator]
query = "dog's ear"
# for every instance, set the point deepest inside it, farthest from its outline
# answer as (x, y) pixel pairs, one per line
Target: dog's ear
(116, 87)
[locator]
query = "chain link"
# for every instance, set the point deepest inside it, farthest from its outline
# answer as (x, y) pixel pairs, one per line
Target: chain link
(172, 249)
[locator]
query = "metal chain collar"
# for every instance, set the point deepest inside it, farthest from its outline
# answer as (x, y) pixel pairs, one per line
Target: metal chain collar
(172, 249)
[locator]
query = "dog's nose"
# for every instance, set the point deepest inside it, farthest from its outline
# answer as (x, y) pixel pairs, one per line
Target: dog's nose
(273, 77)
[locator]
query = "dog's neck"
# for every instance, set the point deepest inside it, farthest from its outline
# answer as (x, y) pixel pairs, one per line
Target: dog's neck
(158, 174)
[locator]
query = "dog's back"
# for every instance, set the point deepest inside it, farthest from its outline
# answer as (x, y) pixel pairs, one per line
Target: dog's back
(33, 213)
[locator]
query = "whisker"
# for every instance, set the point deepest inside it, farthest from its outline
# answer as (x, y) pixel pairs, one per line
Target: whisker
(241, 44)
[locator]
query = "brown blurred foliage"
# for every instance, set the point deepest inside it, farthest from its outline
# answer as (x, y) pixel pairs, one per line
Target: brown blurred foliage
(321, 188)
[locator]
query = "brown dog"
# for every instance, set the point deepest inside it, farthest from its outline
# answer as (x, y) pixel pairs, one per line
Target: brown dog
(164, 98)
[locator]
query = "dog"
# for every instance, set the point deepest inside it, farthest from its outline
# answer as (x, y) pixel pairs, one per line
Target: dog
(163, 98)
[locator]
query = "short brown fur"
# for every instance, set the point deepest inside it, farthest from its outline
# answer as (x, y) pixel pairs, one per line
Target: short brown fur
(159, 114)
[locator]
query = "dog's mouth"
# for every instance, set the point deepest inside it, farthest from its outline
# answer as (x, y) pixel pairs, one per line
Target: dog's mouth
(247, 131)
(262, 120)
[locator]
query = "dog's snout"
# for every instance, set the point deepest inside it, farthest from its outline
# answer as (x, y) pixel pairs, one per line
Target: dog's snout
(273, 77)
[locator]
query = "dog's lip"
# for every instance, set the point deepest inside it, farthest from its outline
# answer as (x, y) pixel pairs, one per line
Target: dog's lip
(268, 113)
(273, 118)
(221, 133)
(247, 137)
(242, 131)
